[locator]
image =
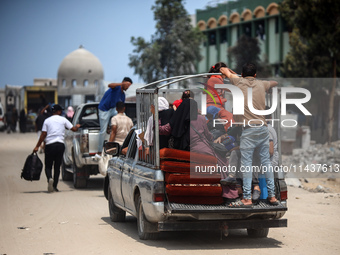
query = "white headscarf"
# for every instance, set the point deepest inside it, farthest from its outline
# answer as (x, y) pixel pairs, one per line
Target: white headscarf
(163, 104)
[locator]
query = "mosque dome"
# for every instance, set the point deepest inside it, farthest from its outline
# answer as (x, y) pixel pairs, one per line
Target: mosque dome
(80, 68)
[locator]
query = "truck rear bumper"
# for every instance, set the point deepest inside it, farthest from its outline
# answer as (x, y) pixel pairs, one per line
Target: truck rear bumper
(220, 225)
(190, 212)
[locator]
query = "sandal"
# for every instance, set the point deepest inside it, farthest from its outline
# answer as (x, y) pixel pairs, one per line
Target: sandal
(256, 196)
(276, 202)
(239, 204)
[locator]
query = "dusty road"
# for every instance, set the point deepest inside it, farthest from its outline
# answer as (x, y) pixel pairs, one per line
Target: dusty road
(71, 221)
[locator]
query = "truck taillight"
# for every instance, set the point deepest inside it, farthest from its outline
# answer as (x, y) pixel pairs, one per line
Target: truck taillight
(158, 197)
(158, 192)
(284, 195)
(85, 141)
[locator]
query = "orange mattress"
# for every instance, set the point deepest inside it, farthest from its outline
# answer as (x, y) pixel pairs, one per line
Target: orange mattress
(180, 155)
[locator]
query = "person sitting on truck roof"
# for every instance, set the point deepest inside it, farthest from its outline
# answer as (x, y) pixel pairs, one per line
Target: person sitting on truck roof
(120, 125)
(107, 106)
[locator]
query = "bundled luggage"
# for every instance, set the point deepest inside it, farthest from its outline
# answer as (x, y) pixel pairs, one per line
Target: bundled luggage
(32, 168)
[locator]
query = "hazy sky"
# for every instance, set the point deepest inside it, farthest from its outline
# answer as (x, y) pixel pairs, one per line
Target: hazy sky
(36, 35)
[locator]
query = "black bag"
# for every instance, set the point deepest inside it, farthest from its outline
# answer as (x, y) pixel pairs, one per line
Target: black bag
(32, 168)
(219, 148)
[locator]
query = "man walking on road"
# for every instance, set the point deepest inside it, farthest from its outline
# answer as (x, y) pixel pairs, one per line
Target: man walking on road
(255, 136)
(107, 106)
(53, 132)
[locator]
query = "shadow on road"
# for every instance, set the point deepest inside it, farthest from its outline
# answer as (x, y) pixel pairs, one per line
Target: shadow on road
(196, 240)
(93, 183)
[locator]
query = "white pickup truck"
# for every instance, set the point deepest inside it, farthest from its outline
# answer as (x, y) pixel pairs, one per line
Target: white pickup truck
(141, 185)
(79, 161)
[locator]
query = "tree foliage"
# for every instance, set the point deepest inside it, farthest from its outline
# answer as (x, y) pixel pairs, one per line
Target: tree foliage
(173, 49)
(314, 43)
(247, 50)
(314, 39)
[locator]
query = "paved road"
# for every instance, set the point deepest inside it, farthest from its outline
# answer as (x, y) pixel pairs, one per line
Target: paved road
(71, 221)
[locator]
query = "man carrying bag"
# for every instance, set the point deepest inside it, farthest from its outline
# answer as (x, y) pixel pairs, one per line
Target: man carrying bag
(53, 132)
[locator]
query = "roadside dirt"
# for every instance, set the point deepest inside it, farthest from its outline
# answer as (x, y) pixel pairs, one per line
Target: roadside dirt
(72, 221)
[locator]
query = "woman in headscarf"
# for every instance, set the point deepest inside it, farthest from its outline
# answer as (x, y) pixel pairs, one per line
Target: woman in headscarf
(164, 115)
(180, 122)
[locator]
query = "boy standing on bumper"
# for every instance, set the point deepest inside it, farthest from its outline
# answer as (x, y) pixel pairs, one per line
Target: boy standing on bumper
(256, 135)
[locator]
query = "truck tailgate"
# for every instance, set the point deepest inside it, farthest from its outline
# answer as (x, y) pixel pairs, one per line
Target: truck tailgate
(93, 140)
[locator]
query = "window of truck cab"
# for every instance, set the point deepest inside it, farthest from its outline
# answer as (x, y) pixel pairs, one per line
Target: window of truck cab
(127, 140)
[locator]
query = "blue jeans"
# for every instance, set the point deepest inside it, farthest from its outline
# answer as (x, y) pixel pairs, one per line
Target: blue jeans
(256, 137)
(104, 119)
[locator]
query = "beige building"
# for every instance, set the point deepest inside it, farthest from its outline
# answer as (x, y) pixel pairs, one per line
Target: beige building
(44, 82)
(79, 76)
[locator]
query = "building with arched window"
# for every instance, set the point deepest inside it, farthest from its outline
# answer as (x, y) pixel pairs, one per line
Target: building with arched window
(79, 75)
(226, 22)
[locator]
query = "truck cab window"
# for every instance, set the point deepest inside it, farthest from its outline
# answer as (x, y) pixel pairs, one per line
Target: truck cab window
(133, 146)
(127, 140)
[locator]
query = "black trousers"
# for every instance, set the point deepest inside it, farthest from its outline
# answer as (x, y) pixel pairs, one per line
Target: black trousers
(53, 156)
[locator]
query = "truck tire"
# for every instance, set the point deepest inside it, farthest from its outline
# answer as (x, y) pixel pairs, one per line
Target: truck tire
(116, 214)
(143, 224)
(258, 233)
(106, 187)
(79, 182)
(65, 175)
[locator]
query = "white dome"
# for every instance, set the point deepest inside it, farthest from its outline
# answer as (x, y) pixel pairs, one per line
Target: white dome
(80, 65)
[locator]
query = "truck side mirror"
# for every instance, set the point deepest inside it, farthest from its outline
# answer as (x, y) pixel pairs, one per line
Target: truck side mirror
(112, 148)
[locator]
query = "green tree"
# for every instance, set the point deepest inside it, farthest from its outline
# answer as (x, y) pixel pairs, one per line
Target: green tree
(247, 50)
(314, 42)
(173, 50)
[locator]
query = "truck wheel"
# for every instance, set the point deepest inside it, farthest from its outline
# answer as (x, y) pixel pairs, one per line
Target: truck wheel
(65, 175)
(79, 182)
(143, 224)
(258, 233)
(106, 187)
(116, 214)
